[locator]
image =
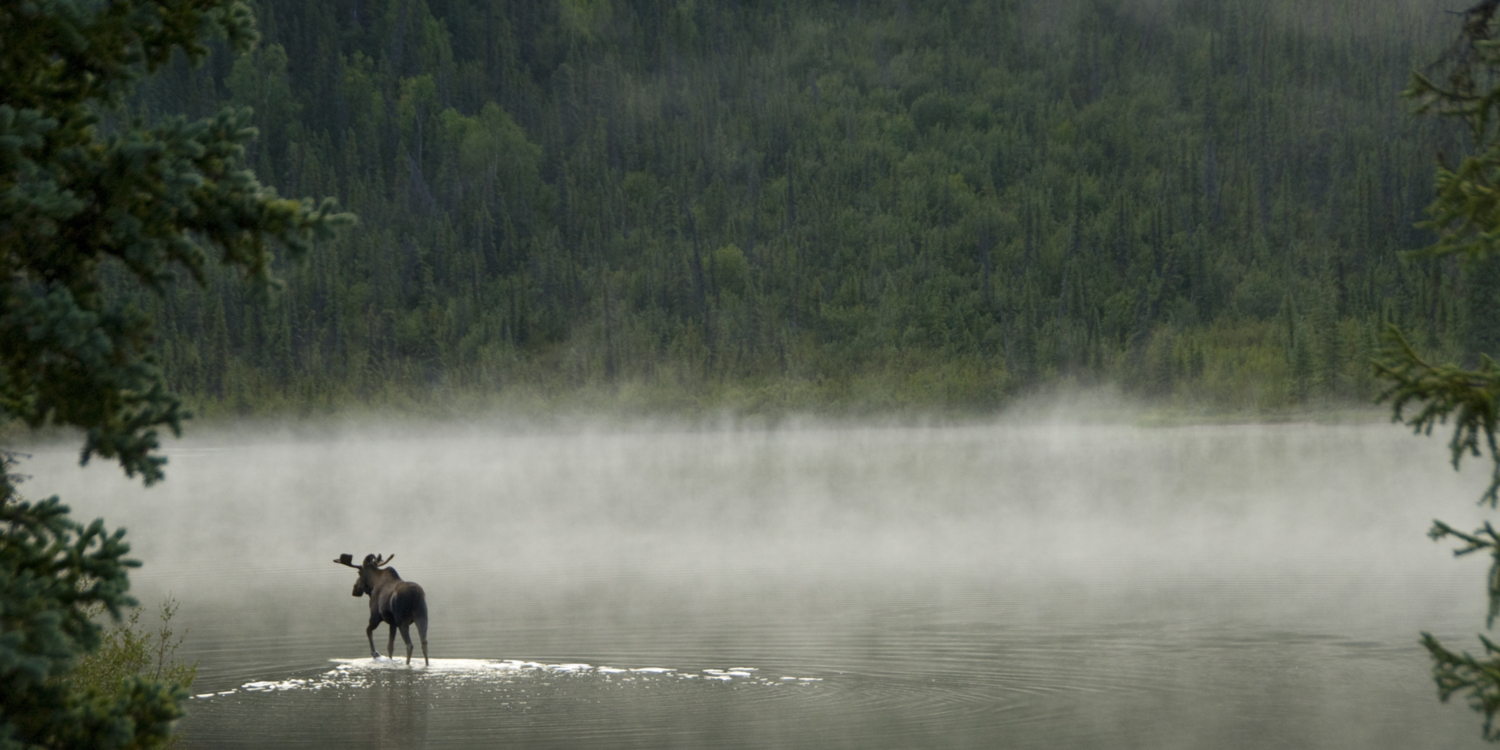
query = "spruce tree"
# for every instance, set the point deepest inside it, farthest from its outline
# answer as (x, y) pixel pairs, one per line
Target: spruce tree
(1464, 84)
(85, 193)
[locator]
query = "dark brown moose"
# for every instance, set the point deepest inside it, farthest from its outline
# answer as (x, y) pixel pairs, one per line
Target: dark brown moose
(393, 601)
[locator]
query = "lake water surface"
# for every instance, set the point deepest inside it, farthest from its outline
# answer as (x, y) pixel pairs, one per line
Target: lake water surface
(810, 587)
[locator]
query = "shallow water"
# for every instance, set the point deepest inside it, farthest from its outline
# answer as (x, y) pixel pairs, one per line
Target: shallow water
(1029, 586)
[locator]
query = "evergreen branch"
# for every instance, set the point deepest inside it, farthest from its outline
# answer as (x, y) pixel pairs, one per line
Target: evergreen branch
(1461, 672)
(1466, 215)
(1474, 543)
(71, 200)
(1469, 397)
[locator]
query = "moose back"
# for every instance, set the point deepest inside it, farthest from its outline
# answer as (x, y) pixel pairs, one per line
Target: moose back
(392, 600)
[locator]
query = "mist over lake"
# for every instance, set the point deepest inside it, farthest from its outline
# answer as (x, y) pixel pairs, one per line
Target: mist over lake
(651, 585)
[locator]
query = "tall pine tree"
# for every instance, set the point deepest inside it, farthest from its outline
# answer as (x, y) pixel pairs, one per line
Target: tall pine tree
(85, 193)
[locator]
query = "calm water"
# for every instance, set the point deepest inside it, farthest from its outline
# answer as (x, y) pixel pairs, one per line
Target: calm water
(1018, 586)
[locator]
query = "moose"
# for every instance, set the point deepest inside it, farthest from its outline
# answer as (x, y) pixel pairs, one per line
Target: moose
(392, 600)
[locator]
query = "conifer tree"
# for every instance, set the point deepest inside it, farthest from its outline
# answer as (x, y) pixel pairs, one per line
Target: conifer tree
(1464, 84)
(82, 190)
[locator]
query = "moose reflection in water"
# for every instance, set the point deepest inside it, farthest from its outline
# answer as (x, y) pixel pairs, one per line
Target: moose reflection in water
(393, 601)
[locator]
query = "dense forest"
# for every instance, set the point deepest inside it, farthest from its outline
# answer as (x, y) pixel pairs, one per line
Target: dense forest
(849, 204)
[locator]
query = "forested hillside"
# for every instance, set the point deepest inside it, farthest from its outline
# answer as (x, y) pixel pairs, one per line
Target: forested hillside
(863, 203)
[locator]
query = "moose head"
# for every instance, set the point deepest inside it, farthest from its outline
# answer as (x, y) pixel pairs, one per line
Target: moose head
(392, 600)
(372, 563)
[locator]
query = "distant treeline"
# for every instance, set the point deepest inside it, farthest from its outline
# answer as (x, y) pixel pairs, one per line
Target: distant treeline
(869, 203)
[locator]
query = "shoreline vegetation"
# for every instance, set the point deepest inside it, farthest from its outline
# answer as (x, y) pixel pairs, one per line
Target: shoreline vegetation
(916, 396)
(132, 649)
(587, 411)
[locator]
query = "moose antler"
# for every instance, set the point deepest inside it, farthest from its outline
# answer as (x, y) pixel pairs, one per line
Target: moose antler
(372, 561)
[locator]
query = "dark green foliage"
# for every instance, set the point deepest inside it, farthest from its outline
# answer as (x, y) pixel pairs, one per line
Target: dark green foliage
(1443, 391)
(95, 202)
(76, 195)
(1482, 311)
(1462, 673)
(53, 574)
(1022, 191)
(128, 649)
(1467, 218)
(1467, 209)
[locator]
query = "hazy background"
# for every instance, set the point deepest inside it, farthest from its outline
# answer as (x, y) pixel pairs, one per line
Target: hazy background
(1048, 583)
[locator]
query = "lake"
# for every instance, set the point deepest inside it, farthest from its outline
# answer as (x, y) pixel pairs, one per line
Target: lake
(808, 586)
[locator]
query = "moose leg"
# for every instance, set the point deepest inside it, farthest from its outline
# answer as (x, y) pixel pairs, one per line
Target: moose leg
(421, 620)
(406, 637)
(390, 643)
(370, 634)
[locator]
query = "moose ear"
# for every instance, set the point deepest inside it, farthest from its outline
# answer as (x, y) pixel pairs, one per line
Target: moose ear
(346, 559)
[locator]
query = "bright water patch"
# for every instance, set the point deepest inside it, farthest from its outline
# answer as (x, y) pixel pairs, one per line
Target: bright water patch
(359, 673)
(492, 702)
